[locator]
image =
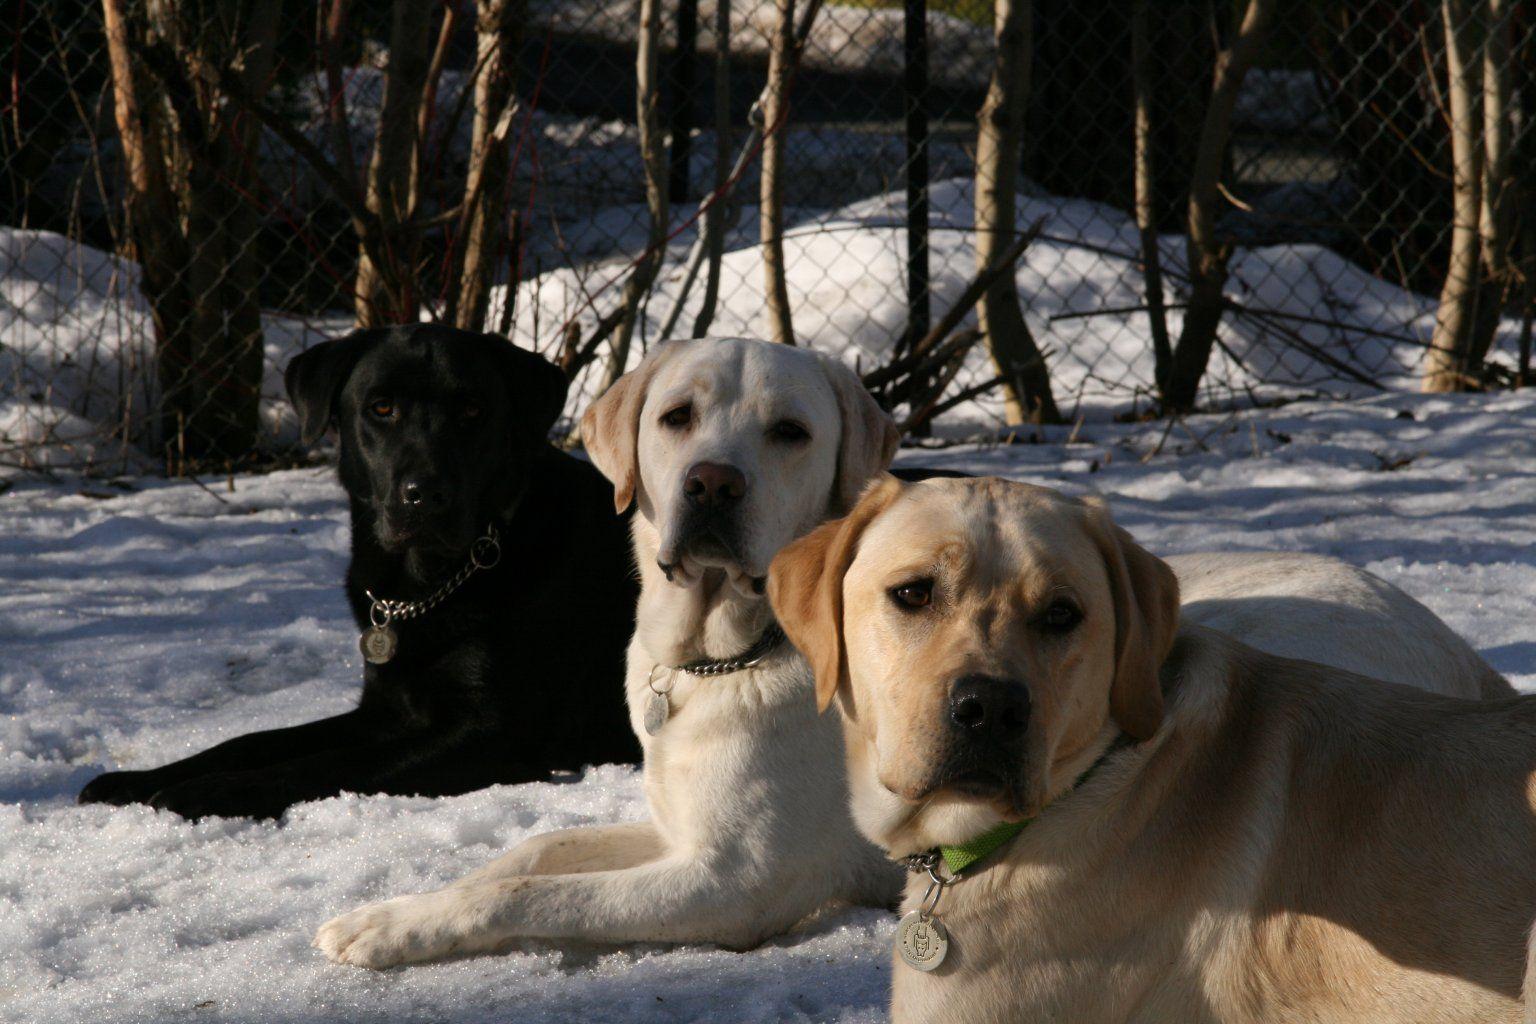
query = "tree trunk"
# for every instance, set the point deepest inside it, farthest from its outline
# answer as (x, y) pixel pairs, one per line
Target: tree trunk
(228, 350)
(1447, 365)
(771, 215)
(653, 156)
(498, 28)
(385, 293)
(190, 164)
(1027, 382)
(1496, 224)
(1207, 255)
(1146, 191)
(153, 224)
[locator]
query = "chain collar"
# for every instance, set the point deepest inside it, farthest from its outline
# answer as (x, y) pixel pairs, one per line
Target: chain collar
(658, 707)
(484, 553)
(764, 646)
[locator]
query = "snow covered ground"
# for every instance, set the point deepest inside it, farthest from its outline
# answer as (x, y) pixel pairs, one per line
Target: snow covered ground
(141, 623)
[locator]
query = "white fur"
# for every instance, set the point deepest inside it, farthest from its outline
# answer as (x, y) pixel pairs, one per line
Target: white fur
(750, 828)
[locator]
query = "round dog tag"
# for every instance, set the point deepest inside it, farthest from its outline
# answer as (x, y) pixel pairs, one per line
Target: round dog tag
(921, 941)
(378, 644)
(657, 710)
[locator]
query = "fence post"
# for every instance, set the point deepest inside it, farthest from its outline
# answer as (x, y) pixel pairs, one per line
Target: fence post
(915, 96)
(682, 77)
(714, 218)
(1145, 185)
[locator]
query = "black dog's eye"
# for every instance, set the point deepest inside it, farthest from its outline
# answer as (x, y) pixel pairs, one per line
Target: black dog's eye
(1061, 617)
(790, 431)
(382, 408)
(917, 594)
(470, 411)
(678, 418)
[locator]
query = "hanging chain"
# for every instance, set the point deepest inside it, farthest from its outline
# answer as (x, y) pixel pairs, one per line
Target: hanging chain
(483, 554)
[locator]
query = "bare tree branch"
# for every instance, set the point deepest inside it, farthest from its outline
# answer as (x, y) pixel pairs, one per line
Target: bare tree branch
(653, 155)
(383, 291)
(498, 29)
(958, 310)
(1207, 254)
(775, 108)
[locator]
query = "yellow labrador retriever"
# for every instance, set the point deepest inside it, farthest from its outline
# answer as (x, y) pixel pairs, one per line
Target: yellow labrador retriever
(1151, 822)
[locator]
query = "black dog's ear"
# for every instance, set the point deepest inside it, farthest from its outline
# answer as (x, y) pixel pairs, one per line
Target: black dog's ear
(314, 379)
(535, 386)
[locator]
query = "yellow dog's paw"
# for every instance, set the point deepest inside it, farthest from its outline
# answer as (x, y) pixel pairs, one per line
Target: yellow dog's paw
(380, 935)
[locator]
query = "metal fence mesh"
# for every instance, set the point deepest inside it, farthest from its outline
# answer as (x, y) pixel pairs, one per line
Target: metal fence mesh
(1336, 185)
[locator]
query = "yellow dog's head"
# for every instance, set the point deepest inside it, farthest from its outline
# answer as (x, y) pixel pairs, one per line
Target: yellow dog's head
(978, 635)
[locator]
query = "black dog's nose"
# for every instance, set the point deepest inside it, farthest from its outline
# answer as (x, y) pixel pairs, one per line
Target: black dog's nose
(714, 484)
(422, 493)
(986, 705)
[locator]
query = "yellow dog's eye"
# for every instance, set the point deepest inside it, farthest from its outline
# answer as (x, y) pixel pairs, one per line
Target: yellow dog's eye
(1061, 617)
(917, 594)
(678, 417)
(383, 408)
(790, 431)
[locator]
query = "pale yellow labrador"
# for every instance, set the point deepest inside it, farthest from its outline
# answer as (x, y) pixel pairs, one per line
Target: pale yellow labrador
(1154, 822)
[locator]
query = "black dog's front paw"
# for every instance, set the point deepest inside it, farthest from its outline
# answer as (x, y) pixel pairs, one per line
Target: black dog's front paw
(232, 795)
(121, 788)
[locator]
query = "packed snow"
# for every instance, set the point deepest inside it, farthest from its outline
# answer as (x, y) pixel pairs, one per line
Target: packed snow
(1307, 309)
(144, 620)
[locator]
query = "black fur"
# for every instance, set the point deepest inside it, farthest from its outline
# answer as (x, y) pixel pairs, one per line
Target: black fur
(521, 671)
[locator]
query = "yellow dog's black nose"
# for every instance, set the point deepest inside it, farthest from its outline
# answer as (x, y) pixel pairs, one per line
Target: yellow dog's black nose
(988, 706)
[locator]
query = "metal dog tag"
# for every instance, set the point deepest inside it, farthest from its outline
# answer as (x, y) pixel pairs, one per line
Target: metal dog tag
(921, 941)
(657, 710)
(378, 644)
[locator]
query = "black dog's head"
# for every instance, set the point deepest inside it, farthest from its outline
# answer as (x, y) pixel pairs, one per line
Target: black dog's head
(439, 427)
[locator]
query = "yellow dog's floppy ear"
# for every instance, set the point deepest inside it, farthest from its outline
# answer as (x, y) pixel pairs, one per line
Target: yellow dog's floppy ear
(1146, 597)
(805, 585)
(869, 439)
(610, 428)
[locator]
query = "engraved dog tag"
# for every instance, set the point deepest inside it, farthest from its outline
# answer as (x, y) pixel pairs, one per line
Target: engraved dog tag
(921, 941)
(378, 644)
(657, 710)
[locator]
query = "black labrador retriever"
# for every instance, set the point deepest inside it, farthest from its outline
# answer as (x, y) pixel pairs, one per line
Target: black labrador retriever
(502, 588)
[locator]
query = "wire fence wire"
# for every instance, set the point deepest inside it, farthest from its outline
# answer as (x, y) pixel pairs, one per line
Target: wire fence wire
(154, 284)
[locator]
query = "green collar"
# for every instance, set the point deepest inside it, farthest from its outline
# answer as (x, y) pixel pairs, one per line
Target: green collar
(967, 855)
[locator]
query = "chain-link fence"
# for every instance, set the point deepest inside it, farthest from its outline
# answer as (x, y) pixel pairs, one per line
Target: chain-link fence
(194, 191)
